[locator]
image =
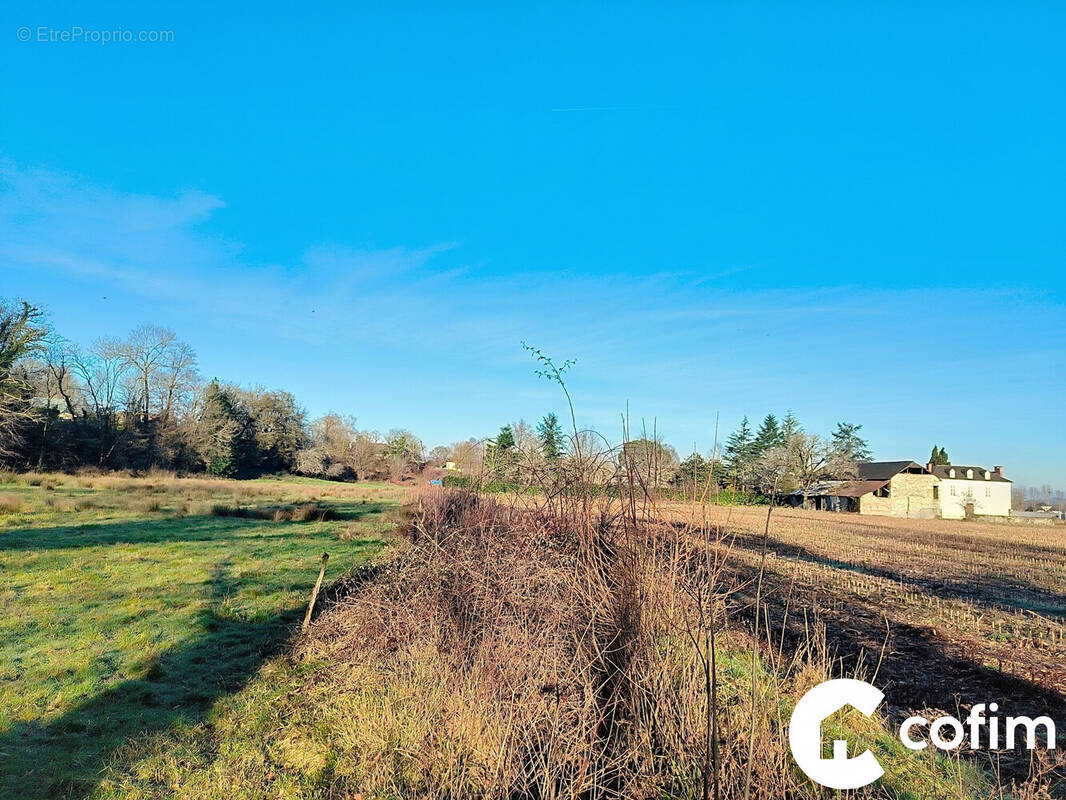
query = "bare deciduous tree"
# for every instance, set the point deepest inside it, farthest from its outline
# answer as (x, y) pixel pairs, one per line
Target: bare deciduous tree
(337, 449)
(469, 456)
(439, 456)
(22, 334)
(653, 463)
(175, 380)
(58, 380)
(145, 352)
(803, 461)
(164, 368)
(100, 369)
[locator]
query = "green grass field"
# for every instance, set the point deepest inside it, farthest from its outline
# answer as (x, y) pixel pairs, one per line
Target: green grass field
(147, 632)
(131, 606)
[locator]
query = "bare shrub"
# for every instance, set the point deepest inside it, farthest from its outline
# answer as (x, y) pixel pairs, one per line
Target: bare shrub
(528, 652)
(312, 512)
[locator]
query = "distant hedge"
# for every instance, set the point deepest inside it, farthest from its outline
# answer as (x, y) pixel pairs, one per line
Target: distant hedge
(727, 497)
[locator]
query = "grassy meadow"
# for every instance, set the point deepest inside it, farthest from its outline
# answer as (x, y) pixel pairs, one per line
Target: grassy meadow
(474, 666)
(507, 647)
(131, 605)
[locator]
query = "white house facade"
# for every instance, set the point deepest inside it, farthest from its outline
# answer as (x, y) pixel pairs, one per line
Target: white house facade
(972, 491)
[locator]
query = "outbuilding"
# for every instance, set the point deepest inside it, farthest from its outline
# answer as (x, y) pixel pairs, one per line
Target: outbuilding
(882, 488)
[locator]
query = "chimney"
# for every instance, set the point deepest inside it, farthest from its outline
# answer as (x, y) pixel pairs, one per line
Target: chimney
(929, 466)
(998, 471)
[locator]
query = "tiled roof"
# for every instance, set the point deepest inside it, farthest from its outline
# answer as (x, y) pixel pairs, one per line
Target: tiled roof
(943, 471)
(883, 470)
(842, 488)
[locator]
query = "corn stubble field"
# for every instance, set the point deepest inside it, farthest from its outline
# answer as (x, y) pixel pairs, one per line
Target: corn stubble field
(556, 645)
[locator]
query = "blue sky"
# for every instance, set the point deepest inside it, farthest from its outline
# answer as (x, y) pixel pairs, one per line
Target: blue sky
(851, 210)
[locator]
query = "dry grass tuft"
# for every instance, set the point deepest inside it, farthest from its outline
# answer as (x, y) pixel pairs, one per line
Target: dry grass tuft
(10, 504)
(313, 512)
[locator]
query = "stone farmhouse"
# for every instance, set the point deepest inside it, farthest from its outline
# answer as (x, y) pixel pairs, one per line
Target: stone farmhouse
(909, 489)
(885, 488)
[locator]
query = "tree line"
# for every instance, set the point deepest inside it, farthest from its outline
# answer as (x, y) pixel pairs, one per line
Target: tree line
(777, 458)
(139, 401)
(781, 456)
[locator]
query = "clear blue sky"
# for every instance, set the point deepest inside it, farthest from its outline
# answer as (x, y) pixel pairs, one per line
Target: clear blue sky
(853, 210)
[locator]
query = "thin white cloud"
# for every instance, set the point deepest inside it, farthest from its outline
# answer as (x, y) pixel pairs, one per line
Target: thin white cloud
(332, 262)
(151, 246)
(681, 344)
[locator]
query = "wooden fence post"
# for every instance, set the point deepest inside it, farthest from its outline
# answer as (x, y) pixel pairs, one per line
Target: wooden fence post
(314, 592)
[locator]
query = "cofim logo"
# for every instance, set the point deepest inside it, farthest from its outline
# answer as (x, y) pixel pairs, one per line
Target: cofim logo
(946, 733)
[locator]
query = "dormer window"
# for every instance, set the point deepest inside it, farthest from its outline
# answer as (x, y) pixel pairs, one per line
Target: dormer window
(969, 474)
(988, 475)
(951, 473)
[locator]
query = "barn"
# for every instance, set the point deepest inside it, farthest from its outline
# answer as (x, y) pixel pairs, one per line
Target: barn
(881, 488)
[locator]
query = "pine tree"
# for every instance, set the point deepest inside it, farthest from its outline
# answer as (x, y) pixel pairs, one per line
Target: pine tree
(768, 436)
(226, 434)
(505, 439)
(739, 453)
(550, 436)
(790, 426)
(849, 445)
(501, 454)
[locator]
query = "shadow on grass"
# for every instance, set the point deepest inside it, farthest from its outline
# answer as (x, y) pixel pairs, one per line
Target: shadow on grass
(164, 528)
(64, 758)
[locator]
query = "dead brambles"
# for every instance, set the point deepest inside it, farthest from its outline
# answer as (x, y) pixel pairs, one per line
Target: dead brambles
(535, 652)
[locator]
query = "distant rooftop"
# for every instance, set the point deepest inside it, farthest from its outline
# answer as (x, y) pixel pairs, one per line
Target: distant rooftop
(883, 470)
(842, 488)
(943, 471)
